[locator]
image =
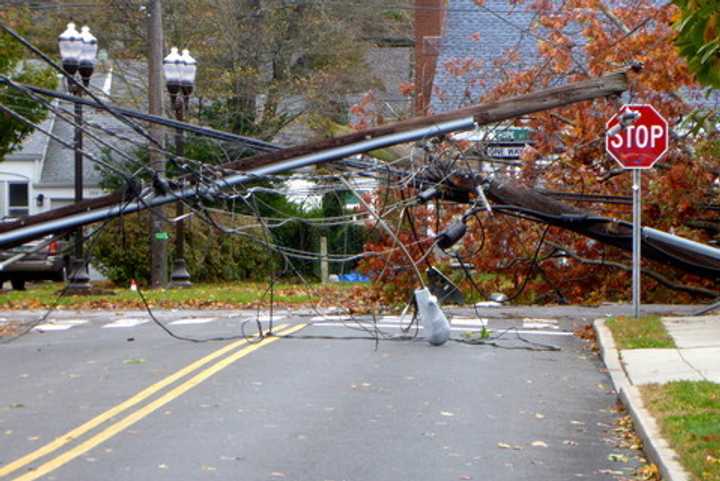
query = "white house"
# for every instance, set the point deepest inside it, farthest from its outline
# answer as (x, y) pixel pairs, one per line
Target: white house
(40, 175)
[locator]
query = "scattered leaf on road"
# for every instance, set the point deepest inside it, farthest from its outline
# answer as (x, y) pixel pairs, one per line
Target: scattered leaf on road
(508, 446)
(447, 413)
(138, 360)
(620, 458)
(649, 472)
(539, 444)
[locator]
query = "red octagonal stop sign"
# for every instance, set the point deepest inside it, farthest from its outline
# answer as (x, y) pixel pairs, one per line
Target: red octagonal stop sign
(641, 142)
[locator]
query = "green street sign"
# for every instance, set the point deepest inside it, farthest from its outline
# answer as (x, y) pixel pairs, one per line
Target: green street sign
(162, 236)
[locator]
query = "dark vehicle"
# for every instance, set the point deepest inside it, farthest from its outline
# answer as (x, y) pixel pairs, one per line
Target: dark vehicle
(43, 262)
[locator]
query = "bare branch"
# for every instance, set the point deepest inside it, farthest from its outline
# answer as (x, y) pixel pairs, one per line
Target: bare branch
(613, 18)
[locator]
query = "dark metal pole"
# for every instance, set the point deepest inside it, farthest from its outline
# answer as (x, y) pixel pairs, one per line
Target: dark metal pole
(78, 175)
(180, 152)
(78, 276)
(180, 276)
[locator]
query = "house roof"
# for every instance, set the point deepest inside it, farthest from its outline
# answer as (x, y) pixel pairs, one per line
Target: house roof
(474, 38)
(58, 167)
(34, 146)
(120, 84)
(477, 35)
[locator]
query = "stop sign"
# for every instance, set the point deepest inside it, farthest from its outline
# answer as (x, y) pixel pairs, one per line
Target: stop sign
(641, 142)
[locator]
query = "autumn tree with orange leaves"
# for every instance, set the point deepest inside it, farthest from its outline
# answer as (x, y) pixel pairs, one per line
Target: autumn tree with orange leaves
(576, 40)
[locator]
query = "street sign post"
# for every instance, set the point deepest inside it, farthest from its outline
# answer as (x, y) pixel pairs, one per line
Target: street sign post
(637, 137)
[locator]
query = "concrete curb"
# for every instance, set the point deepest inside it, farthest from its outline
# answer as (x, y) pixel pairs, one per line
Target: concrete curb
(655, 447)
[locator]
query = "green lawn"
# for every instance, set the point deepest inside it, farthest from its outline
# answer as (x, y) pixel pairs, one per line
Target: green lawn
(689, 416)
(643, 333)
(219, 296)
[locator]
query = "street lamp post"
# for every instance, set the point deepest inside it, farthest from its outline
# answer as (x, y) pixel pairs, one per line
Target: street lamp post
(78, 51)
(180, 73)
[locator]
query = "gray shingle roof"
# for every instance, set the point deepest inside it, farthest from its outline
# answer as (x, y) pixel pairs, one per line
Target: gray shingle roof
(478, 36)
(58, 168)
(33, 147)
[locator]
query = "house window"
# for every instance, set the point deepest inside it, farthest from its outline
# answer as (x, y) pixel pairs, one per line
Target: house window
(18, 199)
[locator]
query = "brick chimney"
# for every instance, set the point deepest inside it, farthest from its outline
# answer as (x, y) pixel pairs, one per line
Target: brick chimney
(429, 18)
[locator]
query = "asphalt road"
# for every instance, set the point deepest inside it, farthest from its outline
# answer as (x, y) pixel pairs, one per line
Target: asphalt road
(129, 402)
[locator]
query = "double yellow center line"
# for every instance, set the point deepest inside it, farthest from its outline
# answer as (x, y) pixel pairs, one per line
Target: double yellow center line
(139, 414)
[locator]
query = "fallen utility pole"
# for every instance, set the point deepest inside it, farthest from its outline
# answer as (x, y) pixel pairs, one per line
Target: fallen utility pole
(483, 114)
(23, 234)
(465, 119)
(512, 198)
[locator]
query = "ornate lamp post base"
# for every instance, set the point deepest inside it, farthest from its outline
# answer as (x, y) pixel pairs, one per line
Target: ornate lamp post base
(78, 277)
(180, 276)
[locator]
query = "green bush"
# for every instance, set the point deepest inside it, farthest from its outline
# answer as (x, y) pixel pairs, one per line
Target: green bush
(121, 252)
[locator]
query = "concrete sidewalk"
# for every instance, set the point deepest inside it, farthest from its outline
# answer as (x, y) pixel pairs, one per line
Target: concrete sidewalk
(695, 358)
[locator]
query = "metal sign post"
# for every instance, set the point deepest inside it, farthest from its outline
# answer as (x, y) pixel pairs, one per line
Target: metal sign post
(637, 137)
(637, 235)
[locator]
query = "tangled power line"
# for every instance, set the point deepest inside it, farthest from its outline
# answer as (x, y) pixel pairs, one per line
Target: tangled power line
(219, 194)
